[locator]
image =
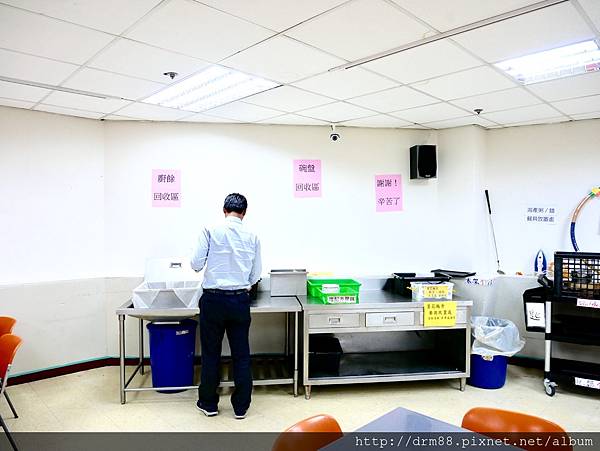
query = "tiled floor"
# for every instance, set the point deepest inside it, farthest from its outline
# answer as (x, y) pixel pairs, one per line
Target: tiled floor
(89, 401)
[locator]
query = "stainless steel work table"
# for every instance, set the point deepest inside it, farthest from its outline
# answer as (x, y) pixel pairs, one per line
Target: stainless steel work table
(382, 311)
(264, 304)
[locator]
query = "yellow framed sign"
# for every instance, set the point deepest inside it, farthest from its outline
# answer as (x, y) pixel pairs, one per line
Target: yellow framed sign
(439, 314)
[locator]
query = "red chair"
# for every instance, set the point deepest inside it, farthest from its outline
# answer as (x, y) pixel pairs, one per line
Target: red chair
(494, 422)
(6, 325)
(8, 348)
(310, 434)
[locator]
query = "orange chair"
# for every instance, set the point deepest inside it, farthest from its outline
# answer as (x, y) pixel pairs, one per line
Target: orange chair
(310, 434)
(495, 422)
(8, 348)
(6, 325)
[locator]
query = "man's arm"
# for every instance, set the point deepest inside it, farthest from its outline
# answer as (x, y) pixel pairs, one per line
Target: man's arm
(256, 264)
(200, 254)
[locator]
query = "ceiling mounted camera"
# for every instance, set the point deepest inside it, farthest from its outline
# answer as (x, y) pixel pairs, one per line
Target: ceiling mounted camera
(334, 136)
(478, 110)
(171, 74)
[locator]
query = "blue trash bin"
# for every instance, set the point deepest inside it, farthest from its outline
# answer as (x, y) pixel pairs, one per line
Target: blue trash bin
(172, 349)
(488, 372)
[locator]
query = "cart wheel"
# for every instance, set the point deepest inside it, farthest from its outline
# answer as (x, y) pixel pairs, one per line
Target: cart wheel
(550, 390)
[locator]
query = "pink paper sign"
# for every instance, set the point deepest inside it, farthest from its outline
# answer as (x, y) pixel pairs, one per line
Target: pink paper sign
(388, 192)
(307, 178)
(166, 188)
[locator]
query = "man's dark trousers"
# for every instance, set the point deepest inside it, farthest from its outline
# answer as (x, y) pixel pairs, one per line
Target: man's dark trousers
(219, 314)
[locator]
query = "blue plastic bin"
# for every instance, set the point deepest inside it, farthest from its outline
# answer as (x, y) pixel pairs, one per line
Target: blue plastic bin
(486, 373)
(172, 348)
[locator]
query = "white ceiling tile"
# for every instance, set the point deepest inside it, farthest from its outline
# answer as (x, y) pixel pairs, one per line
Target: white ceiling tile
(592, 115)
(460, 122)
(343, 84)
(423, 62)
(31, 68)
(199, 117)
(244, 112)
(293, 119)
(32, 33)
(274, 14)
(580, 105)
(151, 112)
(282, 59)
(113, 16)
(97, 81)
(143, 61)
(68, 111)
(15, 103)
(81, 102)
(22, 92)
(565, 88)
(378, 121)
(499, 100)
(197, 30)
(467, 83)
(430, 113)
(445, 15)
(287, 98)
(528, 113)
(360, 28)
(337, 112)
(393, 99)
(545, 29)
(592, 8)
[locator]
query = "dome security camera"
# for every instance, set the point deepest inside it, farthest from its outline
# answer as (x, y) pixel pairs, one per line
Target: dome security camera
(334, 136)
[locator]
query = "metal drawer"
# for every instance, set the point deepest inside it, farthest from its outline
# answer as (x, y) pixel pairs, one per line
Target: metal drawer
(461, 316)
(390, 319)
(323, 321)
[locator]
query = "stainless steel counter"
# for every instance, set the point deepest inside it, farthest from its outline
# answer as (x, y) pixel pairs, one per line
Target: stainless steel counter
(263, 304)
(381, 312)
(372, 299)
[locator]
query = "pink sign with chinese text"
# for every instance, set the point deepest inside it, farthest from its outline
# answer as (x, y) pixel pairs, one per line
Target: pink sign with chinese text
(307, 178)
(388, 192)
(166, 188)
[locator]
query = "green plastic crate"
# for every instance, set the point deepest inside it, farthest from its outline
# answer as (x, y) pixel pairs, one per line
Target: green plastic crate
(349, 288)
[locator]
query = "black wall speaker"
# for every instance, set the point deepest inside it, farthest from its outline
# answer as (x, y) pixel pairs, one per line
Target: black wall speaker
(423, 162)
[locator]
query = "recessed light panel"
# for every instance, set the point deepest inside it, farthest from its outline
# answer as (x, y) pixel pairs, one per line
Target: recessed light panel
(212, 87)
(556, 63)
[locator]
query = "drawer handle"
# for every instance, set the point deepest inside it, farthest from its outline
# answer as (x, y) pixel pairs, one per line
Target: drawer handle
(335, 320)
(389, 319)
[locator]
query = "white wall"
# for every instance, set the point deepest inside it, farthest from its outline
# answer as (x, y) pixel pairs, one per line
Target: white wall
(340, 232)
(554, 164)
(51, 207)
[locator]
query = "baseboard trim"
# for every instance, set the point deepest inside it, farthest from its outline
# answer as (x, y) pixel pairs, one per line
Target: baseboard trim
(71, 368)
(527, 362)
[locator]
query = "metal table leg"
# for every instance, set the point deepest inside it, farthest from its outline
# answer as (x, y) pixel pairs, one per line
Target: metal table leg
(463, 383)
(141, 346)
(287, 334)
(307, 391)
(295, 354)
(122, 358)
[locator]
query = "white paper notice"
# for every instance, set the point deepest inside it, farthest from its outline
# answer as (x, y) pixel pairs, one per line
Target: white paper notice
(590, 383)
(536, 314)
(541, 214)
(591, 303)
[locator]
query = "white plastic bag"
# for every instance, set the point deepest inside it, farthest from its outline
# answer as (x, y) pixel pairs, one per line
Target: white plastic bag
(495, 336)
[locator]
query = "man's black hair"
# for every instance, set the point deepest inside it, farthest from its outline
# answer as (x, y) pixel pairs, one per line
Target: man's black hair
(235, 202)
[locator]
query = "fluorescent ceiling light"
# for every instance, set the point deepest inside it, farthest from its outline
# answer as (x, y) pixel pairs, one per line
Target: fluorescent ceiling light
(210, 88)
(556, 63)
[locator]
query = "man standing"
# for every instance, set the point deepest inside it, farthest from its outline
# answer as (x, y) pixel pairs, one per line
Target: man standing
(233, 264)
